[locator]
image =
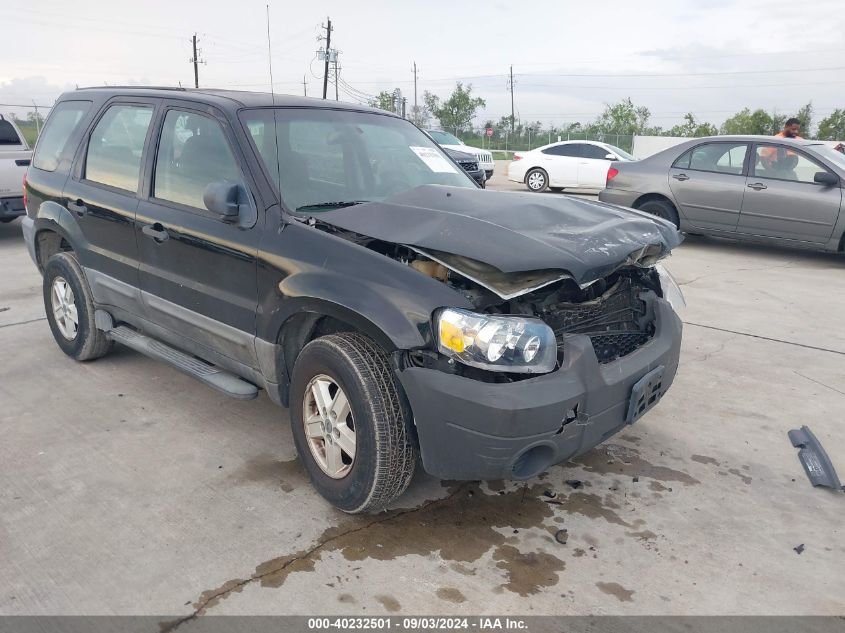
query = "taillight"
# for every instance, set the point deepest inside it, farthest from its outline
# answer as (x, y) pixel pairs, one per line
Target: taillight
(517, 157)
(24, 191)
(612, 173)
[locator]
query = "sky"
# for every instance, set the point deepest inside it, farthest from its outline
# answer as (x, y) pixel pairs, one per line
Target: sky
(569, 57)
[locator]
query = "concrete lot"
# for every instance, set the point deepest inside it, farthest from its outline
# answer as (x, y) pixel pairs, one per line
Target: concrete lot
(128, 488)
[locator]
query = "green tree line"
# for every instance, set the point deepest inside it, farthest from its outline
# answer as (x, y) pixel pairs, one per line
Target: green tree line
(457, 113)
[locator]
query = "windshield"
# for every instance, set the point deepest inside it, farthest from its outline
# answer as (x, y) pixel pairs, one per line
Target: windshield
(444, 138)
(325, 159)
(621, 153)
(830, 154)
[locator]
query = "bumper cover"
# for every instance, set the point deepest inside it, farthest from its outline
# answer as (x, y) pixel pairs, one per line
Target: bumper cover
(474, 430)
(622, 197)
(28, 227)
(11, 208)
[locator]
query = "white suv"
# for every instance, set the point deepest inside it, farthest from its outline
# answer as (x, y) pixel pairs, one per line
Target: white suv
(449, 141)
(14, 159)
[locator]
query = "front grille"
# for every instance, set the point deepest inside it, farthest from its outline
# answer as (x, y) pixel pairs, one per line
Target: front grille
(618, 322)
(468, 166)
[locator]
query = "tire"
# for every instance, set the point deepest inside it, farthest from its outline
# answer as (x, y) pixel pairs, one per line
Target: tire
(66, 293)
(556, 189)
(536, 180)
(383, 462)
(662, 209)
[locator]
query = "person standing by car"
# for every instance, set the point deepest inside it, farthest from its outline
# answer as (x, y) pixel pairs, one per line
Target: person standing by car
(790, 130)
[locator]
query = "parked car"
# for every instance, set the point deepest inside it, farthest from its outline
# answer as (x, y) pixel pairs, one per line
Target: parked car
(450, 141)
(469, 164)
(14, 159)
(565, 165)
(758, 188)
(333, 255)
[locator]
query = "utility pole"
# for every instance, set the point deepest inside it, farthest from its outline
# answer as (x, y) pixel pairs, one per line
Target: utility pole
(328, 29)
(415, 88)
(196, 61)
(404, 103)
(510, 85)
(304, 86)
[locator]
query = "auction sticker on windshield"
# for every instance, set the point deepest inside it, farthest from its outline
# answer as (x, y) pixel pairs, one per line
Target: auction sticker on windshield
(434, 160)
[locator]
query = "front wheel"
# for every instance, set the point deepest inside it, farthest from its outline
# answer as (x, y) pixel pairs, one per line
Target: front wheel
(537, 180)
(349, 423)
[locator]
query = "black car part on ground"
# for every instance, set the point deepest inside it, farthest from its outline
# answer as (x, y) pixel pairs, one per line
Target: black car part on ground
(817, 464)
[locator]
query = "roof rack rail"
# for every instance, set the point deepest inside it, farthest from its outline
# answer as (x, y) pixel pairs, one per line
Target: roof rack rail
(133, 87)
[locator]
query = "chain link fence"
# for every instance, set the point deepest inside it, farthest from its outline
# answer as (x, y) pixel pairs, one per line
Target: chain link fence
(507, 144)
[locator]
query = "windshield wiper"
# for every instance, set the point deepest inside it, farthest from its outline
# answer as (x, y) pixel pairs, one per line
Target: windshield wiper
(330, 205)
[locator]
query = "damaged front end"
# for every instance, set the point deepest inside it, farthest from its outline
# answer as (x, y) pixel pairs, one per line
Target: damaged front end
(615, 312)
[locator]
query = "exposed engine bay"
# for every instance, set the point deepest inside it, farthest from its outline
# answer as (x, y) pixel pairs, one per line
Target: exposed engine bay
(612, 311)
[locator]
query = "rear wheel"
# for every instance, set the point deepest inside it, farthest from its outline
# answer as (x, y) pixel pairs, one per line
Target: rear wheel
(349, 423)
(537, 180)
(662, 209)
(70, 309)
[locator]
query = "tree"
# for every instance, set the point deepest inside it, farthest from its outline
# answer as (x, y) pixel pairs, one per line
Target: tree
(456, 113)
(805, 115)
(621, 118)
(384, 101)
(693, 128)
(420, 116)
(758, 122)
(832, 127)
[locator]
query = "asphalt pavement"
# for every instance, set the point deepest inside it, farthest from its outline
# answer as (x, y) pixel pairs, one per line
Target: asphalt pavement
(128, 488)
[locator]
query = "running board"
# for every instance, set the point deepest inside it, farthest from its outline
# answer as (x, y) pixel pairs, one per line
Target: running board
(214, 377)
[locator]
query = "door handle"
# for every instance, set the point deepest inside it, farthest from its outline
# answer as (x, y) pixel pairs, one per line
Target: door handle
(757, 186)
(680, 177)
(156, 232)
(78, 207)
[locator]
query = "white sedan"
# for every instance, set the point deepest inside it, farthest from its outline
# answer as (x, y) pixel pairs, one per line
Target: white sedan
(565, 165)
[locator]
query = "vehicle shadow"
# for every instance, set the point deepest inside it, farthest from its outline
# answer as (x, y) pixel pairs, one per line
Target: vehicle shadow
(11, 230)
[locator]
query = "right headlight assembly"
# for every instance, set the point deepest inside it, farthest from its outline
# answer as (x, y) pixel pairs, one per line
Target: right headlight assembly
(670, 288)
(496, 343)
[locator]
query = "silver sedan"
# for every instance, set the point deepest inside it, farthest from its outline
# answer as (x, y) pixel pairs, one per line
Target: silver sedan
(757, 188)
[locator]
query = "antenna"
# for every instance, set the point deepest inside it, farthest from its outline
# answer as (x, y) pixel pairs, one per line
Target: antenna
(270, 57)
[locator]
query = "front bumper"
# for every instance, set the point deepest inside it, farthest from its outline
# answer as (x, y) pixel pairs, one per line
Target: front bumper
(11, 208)
(469, 429)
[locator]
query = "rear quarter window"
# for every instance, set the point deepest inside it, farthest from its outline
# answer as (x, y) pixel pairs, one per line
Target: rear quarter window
(8, 135)
(62, 122)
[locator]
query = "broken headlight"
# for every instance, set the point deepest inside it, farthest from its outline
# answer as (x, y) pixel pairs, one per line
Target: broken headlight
(498, 343)
(670, 288)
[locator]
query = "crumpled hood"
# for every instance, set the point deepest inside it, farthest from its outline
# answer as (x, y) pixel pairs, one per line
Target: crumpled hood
(514, 232)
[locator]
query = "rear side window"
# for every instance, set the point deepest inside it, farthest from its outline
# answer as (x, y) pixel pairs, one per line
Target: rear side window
(193, 153)
(720, 158)
(594, 151)
(571, 149)
(116, 145)
(61, 123)
(8, 136)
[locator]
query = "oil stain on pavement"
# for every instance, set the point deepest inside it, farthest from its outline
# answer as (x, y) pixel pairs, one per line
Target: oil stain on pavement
(460, 528)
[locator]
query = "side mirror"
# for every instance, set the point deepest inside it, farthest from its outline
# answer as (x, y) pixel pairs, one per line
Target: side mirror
(826, 178)
(224, 199)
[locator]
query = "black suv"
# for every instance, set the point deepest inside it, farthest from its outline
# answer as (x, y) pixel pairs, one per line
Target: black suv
(335, 257)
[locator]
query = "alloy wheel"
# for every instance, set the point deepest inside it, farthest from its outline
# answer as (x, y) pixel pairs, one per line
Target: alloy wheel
(64, 308)
(329, 426)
